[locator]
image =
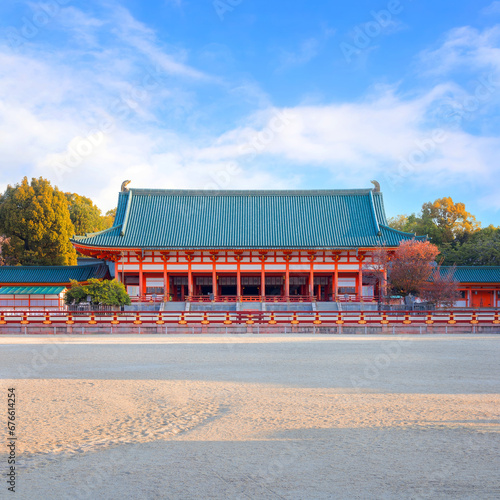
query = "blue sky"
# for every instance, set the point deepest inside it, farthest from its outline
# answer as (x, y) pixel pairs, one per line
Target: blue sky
(236, 94)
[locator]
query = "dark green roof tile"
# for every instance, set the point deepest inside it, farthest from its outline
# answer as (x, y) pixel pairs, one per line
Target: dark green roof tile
(31, 290)
(52, 274)
(474, 274)
(179, 219)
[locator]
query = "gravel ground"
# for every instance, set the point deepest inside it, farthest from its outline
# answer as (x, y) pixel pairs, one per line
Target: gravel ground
(254, 416)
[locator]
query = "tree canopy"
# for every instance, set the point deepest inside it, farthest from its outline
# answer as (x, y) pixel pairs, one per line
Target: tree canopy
(441, 220)
(85, 215)
(35, 221)
(455, 231)
(411, 267)
(106, 292)
(481, 248)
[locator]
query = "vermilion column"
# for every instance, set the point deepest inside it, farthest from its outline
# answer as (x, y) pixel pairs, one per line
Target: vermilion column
(190, 279)
(166, 283)
(335, 283)
(287, 277)
(141, 282)
(263, 280)
(360, 278)
(214, 282)
(311, 276)
(238, 278)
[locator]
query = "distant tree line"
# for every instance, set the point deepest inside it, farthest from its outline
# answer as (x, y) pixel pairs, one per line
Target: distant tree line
(38, 220)
(457, 234)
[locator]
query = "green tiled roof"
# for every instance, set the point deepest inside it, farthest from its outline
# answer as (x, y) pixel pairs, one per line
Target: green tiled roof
(475, 274)
(31, 290)
(52, 274)
(176, 219)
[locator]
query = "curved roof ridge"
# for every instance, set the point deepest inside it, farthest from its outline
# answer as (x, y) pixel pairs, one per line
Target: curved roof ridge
(251, 192)
(397, 231)
(91, 235)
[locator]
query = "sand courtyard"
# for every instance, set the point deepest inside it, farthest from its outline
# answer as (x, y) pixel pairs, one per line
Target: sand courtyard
(254, 416)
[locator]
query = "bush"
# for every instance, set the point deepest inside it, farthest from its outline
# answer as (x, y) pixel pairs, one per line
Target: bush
(106, 292)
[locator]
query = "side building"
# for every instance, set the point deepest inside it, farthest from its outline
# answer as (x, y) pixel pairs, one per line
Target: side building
(479, 286)
(43, 287)
(245, 245)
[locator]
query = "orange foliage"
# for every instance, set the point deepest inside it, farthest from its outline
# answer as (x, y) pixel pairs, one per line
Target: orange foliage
(411, 267)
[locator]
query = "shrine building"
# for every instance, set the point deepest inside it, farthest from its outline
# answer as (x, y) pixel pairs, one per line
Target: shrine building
(479, 286)
(203, 245)
(43, 287)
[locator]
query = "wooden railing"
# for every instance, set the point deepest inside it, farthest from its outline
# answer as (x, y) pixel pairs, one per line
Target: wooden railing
(258, 298)
(221, 318)
(148, 298)
(252, 298)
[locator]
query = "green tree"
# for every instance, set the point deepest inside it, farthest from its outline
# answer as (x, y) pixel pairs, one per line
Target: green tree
(85, 215)
(109, 218)
(445, 220)
(35, 218)
(442, 220)
(481, 248)
(106, 292)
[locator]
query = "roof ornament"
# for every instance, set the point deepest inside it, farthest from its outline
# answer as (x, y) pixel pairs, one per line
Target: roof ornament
(376, 189)
(124, 188)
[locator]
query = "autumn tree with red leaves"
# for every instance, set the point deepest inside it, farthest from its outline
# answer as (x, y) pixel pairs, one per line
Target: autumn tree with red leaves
(441, 289)
(411, 267)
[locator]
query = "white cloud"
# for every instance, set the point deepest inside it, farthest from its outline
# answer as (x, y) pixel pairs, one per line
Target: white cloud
(464, 48)
(373, 137)
(54, 105)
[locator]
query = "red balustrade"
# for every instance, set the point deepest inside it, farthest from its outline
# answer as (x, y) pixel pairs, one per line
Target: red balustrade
(447, 318)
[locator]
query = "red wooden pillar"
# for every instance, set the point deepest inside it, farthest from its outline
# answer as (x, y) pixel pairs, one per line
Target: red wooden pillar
(263, 258)
(335, 282)
(190, 281)
(166, 280)
(238, 278)
(141, 282)
(214, 282)
(359, 287)
(287, 277)
(166, 283)
(122, 258)
(360, 278)
(311, 276)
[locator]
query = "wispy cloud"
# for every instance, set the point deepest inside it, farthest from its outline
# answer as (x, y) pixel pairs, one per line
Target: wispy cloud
(464, 48)
(307, 50)
(145, 92)
(492, 9)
